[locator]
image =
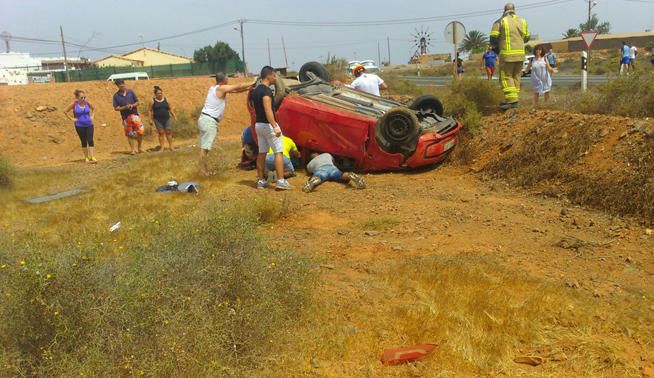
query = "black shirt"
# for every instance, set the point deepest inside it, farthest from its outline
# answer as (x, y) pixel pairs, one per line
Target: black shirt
(259, 93)
(161, 110)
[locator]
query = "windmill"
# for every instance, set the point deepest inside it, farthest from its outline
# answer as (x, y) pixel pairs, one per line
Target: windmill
(421, 42)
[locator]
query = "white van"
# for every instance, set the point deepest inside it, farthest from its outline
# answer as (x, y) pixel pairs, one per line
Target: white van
(129, 76)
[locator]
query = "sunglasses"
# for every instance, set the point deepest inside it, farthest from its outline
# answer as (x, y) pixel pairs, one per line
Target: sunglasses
(83, 97)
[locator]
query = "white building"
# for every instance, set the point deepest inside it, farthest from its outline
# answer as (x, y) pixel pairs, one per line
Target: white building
(14, 67)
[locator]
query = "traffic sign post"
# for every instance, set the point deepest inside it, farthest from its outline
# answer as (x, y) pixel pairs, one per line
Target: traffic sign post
(588, 38)
(455, 33)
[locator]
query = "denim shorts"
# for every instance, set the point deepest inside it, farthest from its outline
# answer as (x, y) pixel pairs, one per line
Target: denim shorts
(270, 164)
(329, 173)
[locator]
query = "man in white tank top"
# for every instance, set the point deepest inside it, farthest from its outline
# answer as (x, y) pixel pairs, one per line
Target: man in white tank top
(212, 112)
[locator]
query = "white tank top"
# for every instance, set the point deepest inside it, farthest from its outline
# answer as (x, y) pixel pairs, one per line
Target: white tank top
(213, 105)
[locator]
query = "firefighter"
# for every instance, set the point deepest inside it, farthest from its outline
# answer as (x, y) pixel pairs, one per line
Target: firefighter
(508, 38)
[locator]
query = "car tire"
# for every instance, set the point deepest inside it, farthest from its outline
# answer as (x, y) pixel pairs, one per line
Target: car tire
(315, 68)
(397, 131)
(427, 103)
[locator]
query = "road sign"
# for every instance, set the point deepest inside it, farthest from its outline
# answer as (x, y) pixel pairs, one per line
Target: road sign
(588, 38)
(455, 32)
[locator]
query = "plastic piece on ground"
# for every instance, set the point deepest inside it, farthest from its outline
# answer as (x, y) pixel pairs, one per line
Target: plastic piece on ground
(115, 227)
(52, 197)
(406, 354)
(189, 187)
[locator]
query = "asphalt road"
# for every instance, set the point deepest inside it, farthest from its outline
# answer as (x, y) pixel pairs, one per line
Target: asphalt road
(566, 80)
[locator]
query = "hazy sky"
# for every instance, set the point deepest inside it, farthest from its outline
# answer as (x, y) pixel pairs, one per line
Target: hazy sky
(115, 22)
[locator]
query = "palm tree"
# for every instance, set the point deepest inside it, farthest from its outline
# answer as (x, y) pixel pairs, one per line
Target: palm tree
(571, 33)
(475, 41)
(594, 25)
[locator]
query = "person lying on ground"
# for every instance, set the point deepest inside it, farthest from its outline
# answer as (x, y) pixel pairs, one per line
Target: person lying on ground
(83, 113)
(213, 112)
(322, 169)
(160, 116)
(249, 149)
(290, 151)
(126, 102)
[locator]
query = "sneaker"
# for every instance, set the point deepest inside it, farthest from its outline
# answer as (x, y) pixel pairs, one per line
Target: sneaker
(357, 180)
(283, 185)
(261, 184)
(311, 184)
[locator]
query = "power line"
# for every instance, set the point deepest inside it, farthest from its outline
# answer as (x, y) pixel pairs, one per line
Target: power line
(535, 5)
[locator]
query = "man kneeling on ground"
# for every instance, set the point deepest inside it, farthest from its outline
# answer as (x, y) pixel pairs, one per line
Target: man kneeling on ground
(322, 168)
(290, 151)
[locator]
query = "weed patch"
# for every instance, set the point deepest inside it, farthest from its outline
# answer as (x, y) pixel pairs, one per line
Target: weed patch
(191, 297)
(7, 173)
(379, 223)
(631, 96)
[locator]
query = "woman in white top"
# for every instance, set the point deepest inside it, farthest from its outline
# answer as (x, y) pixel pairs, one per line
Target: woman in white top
(541, 80)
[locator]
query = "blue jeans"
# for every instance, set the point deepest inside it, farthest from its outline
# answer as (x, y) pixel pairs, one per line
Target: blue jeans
(270, 164)
(329, 173)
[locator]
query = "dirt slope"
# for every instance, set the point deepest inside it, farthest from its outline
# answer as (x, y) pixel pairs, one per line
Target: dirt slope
(50, 138)
(605, 162)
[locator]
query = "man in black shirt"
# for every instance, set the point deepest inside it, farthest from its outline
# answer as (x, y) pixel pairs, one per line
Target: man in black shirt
(269, 134)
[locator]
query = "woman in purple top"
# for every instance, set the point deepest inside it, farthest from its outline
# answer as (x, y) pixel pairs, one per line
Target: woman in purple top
(83, 117)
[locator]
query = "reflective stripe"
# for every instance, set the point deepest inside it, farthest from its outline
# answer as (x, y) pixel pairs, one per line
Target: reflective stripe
(507, 33)
(512, 52)
(494, 34)
(525, 32)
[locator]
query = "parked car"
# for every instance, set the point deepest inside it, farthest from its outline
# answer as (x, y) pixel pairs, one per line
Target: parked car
(129, 76)
(525, 64)
(362, 131)
(368, 64)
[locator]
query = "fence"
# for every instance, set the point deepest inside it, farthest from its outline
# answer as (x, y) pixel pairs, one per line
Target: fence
(167, 70)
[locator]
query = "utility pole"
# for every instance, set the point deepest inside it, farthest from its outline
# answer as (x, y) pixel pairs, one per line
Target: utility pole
(245, 66)
(63, 44)
(6, 36)
(285, 57)
(269, 57)
(591, 5)
(388, 44)
(379, 53)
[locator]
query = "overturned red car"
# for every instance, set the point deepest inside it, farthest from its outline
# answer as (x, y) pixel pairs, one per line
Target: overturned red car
(362, 131)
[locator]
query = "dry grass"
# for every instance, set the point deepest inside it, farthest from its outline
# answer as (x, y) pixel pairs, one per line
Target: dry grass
(481, 314)
(379, 223)
(186, 287)
(7, 173)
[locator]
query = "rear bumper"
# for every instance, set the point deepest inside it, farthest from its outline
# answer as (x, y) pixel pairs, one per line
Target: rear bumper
(433, 148)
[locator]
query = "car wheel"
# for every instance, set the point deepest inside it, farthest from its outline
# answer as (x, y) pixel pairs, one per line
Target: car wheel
(398, 131)
(427, 103)
(315, 68)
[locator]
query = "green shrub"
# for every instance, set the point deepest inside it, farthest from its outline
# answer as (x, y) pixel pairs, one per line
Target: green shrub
(7, 173)
(186, 126)
(631, 96)
(485, 94)
(202, 297)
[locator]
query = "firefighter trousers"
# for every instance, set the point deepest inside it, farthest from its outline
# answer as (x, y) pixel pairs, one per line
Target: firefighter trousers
(510, 75)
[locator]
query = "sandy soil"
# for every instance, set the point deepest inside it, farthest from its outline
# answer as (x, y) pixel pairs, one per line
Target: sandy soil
(50, 138)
